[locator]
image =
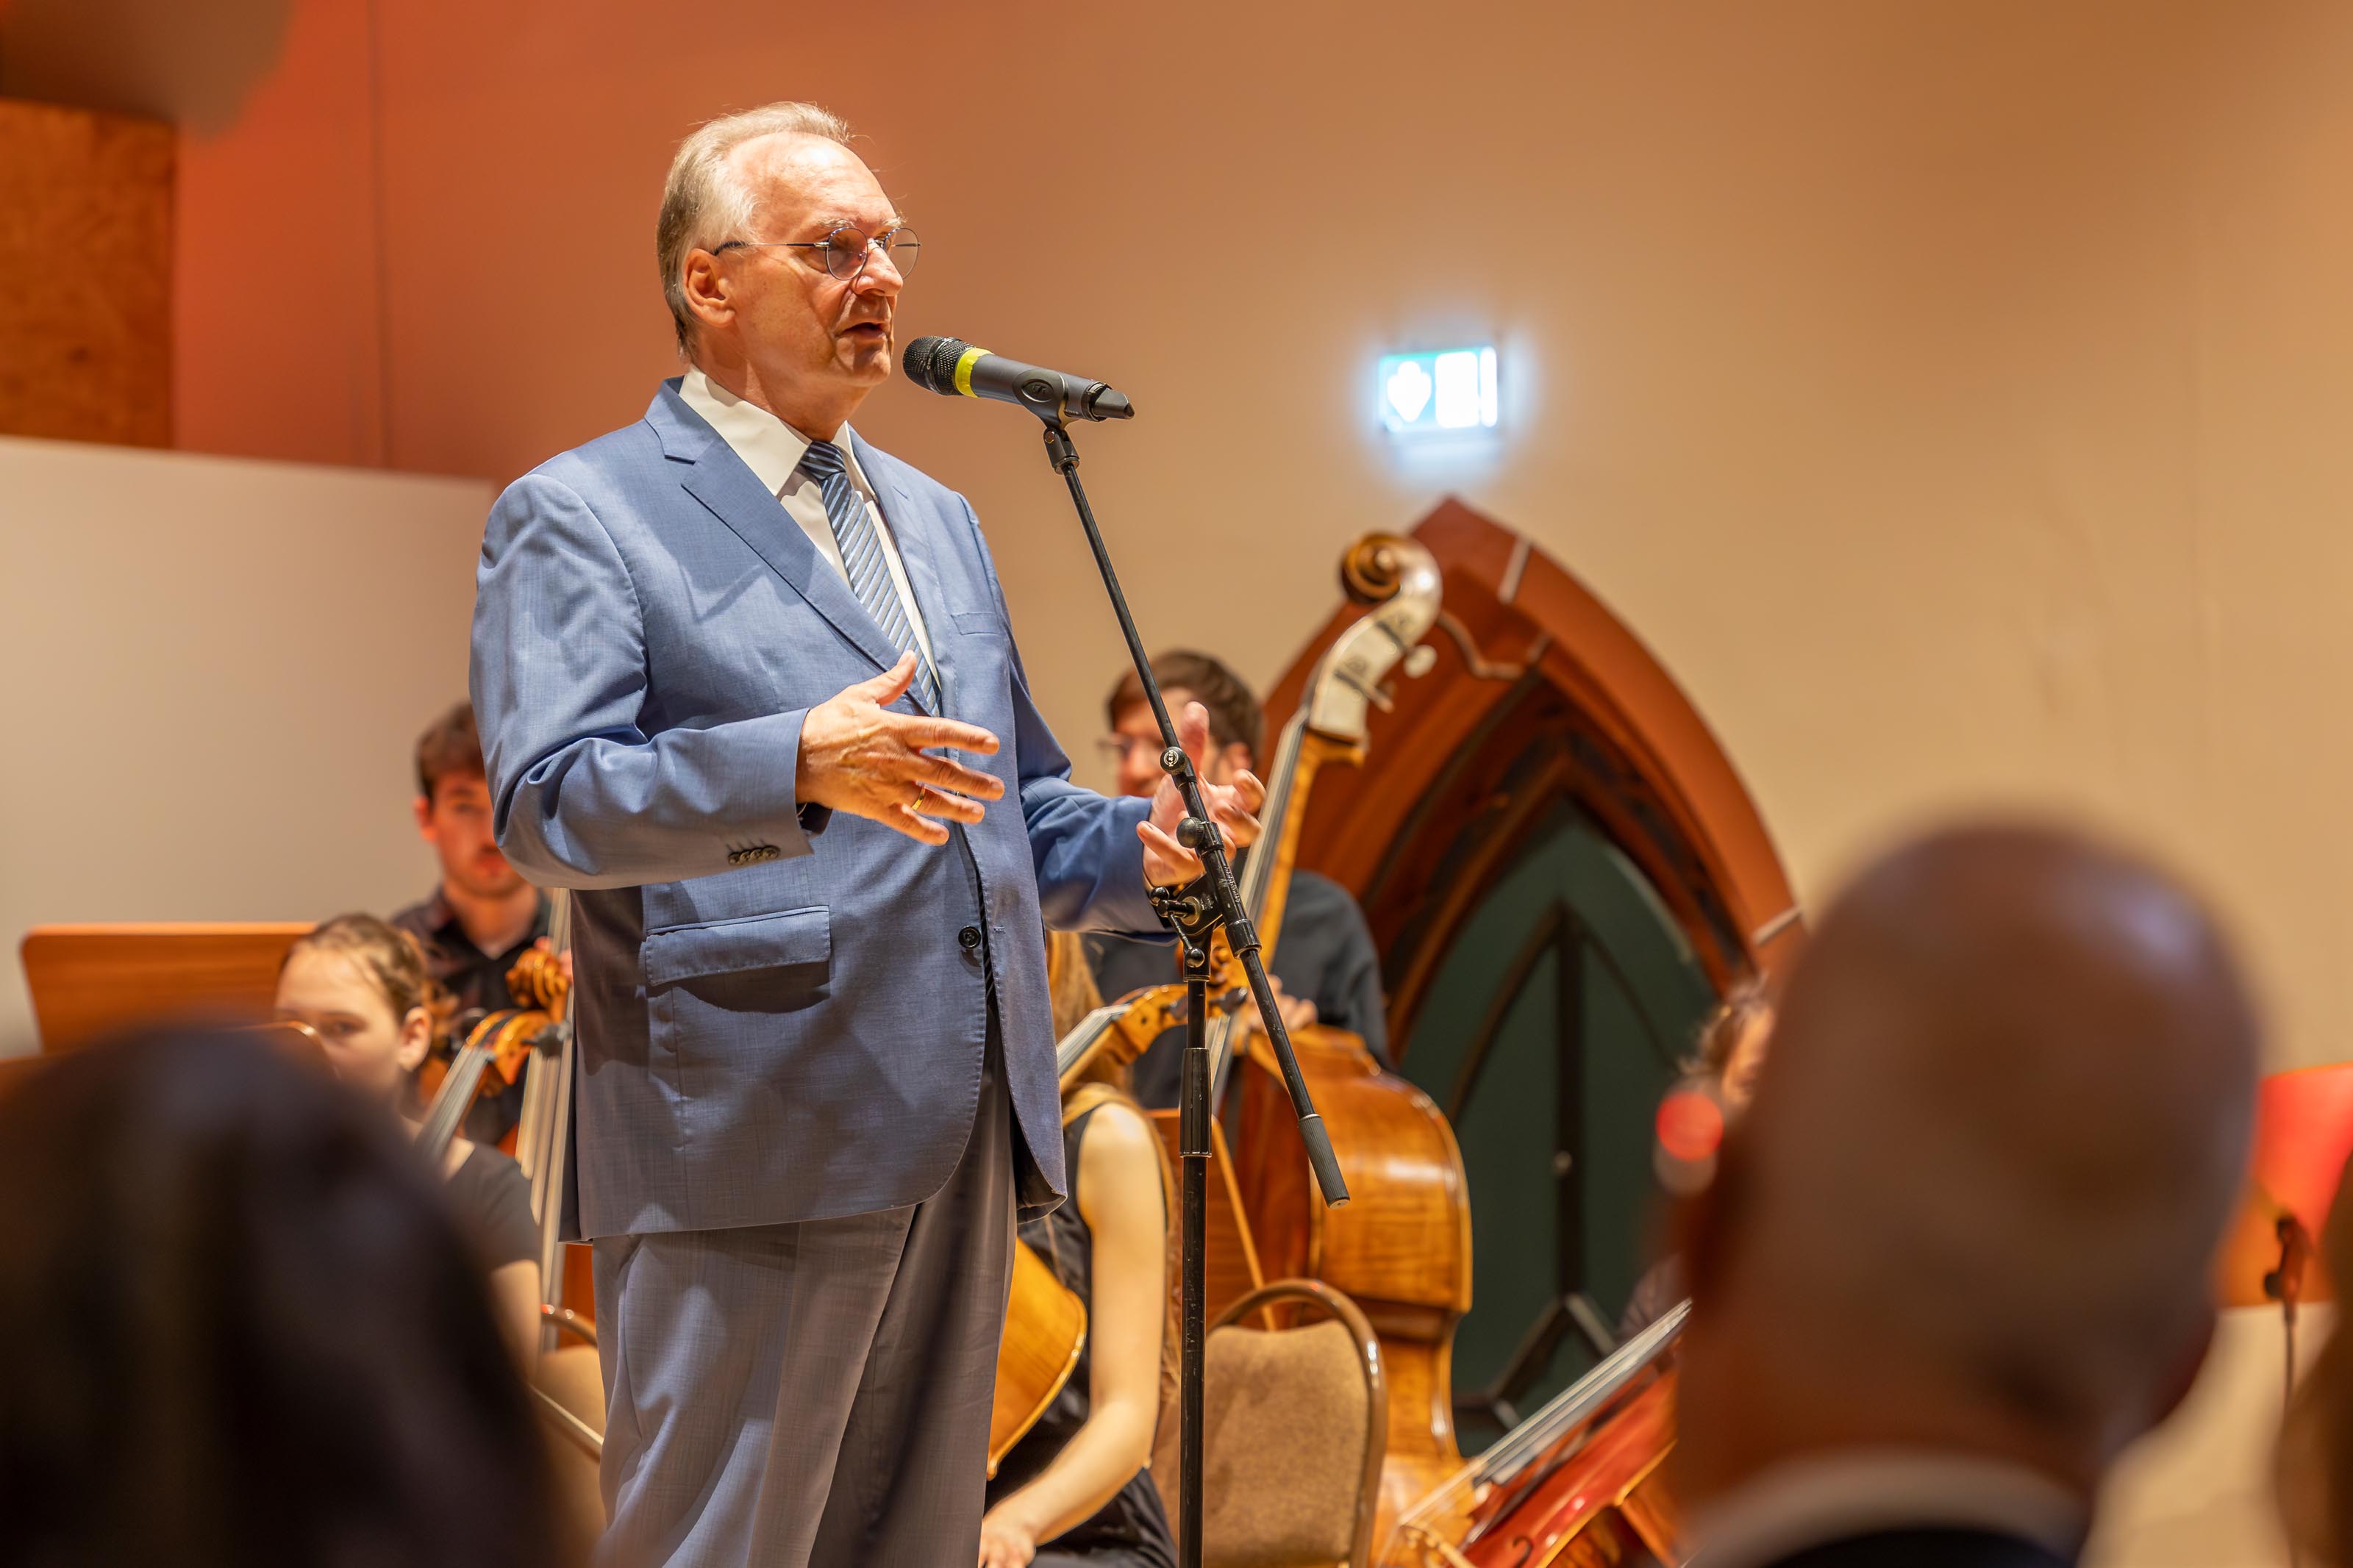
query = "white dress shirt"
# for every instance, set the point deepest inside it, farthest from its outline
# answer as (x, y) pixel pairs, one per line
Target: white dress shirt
(772, 449)
(1804, 1503)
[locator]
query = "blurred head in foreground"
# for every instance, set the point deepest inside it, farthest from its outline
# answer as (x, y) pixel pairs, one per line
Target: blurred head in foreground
(1972, 1208)
(241, 1328)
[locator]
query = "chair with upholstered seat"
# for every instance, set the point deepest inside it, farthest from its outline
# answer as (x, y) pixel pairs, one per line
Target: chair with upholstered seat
(1294, 1427)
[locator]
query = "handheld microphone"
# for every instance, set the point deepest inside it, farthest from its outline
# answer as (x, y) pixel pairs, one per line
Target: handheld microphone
(953, 368)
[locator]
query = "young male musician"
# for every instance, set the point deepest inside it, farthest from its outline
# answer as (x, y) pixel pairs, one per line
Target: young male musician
(1324, 966)
(482, 916)
(749, 685)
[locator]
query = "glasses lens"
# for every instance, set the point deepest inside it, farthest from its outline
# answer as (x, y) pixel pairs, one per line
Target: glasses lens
(847, 249)
(845, 253)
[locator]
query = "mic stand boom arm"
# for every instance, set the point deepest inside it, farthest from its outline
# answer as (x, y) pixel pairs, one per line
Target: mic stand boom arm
(1196, 910)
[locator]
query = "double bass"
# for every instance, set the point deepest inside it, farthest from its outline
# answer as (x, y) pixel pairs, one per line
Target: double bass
(1401, 1248)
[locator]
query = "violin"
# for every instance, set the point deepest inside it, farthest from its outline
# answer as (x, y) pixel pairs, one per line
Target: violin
(503, 1042)
(1579, 1484)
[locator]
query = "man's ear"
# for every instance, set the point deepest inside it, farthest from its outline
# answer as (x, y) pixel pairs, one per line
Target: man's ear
(424, 805)
(707, 291)
(416, 1039)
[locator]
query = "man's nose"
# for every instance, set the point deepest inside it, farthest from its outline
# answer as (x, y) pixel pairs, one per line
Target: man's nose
(879, 276)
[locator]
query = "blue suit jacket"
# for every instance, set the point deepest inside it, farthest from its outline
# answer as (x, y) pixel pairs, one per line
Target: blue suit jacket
(776, 1024)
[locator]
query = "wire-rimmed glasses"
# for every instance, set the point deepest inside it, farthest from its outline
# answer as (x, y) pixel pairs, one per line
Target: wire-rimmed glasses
(846, 249)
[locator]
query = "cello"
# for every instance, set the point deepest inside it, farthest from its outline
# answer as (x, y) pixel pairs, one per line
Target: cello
(1401, 1248)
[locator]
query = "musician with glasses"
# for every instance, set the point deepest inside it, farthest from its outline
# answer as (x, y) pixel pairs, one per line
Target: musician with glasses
(748, 685)
(1324, 966)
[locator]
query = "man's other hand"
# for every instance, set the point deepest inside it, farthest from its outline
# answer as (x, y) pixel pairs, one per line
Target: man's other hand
(858, 756)
(1233, 806)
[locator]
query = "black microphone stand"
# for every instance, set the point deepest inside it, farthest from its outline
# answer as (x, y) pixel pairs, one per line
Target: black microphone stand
(1196, 910)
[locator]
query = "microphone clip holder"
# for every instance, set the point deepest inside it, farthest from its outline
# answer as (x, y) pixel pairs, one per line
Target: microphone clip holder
(1196, 910)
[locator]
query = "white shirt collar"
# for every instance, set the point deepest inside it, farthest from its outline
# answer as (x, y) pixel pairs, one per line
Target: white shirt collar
(1812, 1502)
(771, 448)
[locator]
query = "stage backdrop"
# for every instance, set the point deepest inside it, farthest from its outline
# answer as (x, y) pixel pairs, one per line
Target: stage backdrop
(1953, 394)
(217, 669)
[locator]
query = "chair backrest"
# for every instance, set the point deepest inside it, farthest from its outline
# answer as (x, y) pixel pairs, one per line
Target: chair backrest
(1294, 1431)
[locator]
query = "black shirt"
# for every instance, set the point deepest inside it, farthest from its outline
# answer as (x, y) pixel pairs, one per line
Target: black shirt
(491, 1201)
(1323, 953)
(478, 980)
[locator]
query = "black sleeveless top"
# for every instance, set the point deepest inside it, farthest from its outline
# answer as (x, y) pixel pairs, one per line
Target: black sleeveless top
(1132, 1528)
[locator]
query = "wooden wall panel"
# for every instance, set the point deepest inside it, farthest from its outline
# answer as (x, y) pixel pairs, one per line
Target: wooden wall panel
(85, 275)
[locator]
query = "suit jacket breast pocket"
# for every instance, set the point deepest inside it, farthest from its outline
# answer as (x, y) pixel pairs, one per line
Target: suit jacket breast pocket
(705, 975)
(980, 624)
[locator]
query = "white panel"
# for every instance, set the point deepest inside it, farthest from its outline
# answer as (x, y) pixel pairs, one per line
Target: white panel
(219, 668)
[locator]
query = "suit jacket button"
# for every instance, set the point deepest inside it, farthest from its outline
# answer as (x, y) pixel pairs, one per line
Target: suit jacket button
(968, 938)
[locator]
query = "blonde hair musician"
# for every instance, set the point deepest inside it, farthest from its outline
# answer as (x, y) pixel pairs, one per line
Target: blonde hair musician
(1731, 1046)
(1075, 1488)
(361, 985)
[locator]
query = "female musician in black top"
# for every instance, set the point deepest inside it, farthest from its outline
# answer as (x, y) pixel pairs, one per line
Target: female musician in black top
(361, 985)
(1074, 1489)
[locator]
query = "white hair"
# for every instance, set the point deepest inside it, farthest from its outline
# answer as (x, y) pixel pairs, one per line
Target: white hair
(702, 200)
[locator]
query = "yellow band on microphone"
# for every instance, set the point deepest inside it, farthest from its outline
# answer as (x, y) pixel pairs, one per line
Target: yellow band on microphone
(965, 362)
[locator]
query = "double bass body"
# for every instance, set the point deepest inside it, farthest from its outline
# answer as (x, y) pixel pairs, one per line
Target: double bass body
(1401, 1248)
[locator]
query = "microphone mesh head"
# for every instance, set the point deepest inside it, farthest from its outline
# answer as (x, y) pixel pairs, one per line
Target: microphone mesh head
(930, 363)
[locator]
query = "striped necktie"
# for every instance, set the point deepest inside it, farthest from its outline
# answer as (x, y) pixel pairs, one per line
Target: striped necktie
(861, 557)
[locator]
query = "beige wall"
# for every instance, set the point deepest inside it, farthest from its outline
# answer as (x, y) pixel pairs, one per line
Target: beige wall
(1954, 393)
(216, 670)
(1951, 392)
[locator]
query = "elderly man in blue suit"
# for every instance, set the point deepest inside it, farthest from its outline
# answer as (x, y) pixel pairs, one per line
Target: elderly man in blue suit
(749, 685)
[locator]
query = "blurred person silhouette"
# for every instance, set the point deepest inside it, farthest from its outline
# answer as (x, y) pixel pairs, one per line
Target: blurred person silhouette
(242, 1329)
(1957, 1255)
(1730, 1051)
(361, 986)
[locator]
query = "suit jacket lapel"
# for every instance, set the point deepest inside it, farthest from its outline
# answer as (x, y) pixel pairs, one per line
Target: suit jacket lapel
(717, 477)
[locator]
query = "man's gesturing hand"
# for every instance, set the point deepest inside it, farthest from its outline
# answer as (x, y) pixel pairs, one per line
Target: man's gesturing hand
(857, 756)
(1234, 807)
